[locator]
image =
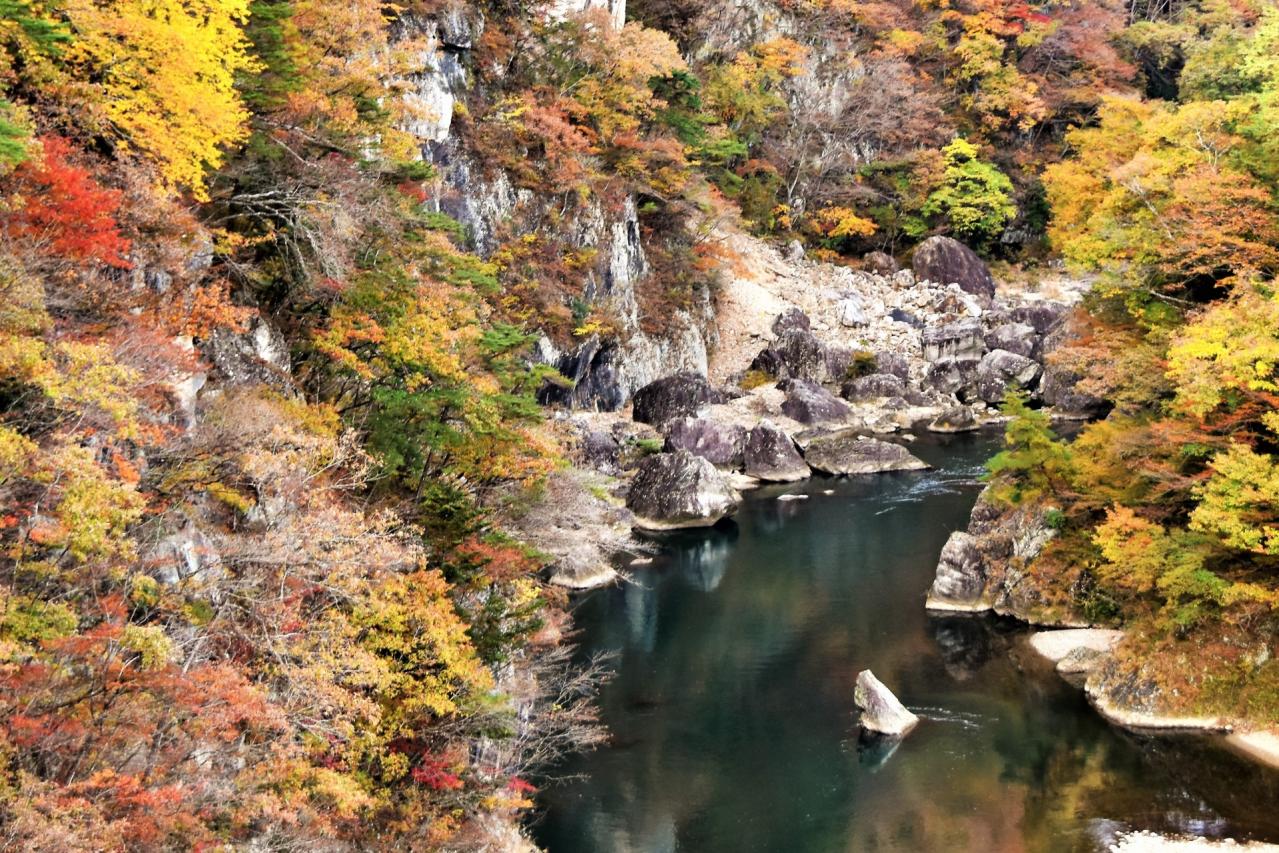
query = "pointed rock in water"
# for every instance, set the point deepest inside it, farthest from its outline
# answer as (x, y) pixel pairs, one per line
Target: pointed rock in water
(675, 490)
(882, 712)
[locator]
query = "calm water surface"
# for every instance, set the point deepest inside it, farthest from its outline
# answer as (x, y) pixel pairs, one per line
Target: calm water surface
(732, 717)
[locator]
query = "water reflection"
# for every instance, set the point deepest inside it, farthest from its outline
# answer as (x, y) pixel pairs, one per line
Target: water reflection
(734, 727)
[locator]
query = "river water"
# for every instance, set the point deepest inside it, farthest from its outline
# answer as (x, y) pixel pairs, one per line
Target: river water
(732, 719)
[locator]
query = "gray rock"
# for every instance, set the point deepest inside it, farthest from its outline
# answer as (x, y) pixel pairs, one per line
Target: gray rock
(894, 363)
(1001, 370)
(847, 452)
(1020, 338)
(960, 583)
(796, 354)
(770, 455)
(600, 450)
(1058, 389)
(679, 395)
(953, 376)
(882, 712)
(591, 378)
(880, 263)
(723, 445)
(810, 403)
(961, 339)
(874, 386)
(258, 355)
(897, 315)
(791, 318)
(838, 361)
(851, 313)
(954, 419)
(1043, 316)
(675, 490)
(946, 261)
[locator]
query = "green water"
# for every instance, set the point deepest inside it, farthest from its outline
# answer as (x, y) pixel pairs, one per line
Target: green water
(732, 718)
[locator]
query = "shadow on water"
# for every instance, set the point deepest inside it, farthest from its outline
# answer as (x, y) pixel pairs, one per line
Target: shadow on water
(733, 726)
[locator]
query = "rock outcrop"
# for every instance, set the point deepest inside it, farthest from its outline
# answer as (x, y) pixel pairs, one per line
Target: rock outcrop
(848, 452)
(676, 490)
(961, 339)
(796, 354)
(873, 386)
(676, 396)
(771, 456)
(945, 261)
(882, 712)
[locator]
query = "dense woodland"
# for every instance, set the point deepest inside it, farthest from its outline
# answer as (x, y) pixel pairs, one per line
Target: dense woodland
(338, 656)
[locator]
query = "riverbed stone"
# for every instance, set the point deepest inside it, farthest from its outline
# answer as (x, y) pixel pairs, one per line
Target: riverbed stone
(791, 318)
(1020, 338)
(722, 444)
(954, 419)
(848, 452)
(956, 377)
(810, 403)
(676, 490)
(679, 395)
(770, 455)
(882, 712)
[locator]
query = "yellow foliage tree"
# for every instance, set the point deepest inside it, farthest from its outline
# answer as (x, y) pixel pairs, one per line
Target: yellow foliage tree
(159, 75)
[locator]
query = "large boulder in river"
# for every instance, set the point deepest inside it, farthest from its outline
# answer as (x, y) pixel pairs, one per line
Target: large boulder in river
(1001, 370)
(770, 455)
(723, 445)
(1020, 338)
(954, 419)
(810, 403)
(882, 712)
(674, 490)
(945, 261)
(675, 396)
(847, 452)
(796, 354)
(960, 582)
(961, 339)
(872, 387)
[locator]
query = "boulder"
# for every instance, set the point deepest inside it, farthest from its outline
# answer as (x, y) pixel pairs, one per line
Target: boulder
(851, 312)
(897, 315)
(1044, 317)
(1076, 650)
(1001, 370)
(960, 583)
(953, 376)
(880, 263)
(796, 354)
(770, 455)
(954, 419)
(791, 318)
(946, 261)
(847, 452)
(810, 403)
(675, 396)
(961, 339)
(1058, 389)
(1020, 338)
(838, 361)
(894, 363)
(874, 386)
(882, 712)
(675, 490)
(600, 450)
(723, 445)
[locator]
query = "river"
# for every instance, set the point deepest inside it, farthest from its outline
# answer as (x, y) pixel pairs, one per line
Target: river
(732, 719)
